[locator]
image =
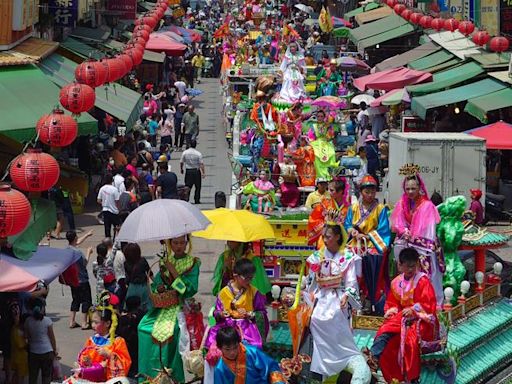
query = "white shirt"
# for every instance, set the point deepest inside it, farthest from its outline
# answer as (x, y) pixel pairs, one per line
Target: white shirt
(37, 332)
(116, 259)
(119, 183)
(181, 86)
(192, 158)
(109, 195)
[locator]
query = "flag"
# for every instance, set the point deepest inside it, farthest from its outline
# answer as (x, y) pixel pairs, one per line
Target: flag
(325, 21)
(222, 31)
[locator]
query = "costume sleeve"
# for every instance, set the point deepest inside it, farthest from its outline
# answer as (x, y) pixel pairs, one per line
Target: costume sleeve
(259, 305)
(424, 299)
(348, 219)
(260, 280)
(315, 224)
(120, 357)
(217, 275)
(381, 237)
(351, 278)
(392, 301)
(398, 222)
(222, 374)
(191, 280)
(267, 367)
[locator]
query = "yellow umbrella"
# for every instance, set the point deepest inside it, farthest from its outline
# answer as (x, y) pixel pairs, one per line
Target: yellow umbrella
(235, 225)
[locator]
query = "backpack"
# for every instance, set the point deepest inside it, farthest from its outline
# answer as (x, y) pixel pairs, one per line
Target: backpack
(70, 276)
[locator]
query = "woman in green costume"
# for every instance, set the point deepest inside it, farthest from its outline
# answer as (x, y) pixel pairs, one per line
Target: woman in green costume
(224, 269)
(162, 327)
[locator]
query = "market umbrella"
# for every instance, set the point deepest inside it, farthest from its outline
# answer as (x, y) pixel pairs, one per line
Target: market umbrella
(392, 79)
(162, 43)
(497, 135)
(394, 97)
(172, 35)
(341, 32)
(162, 219)
(331, 102)
(304, 8)
(339, 22)
(236, 225)
(44, 265)
(362, 97)
(352, 64)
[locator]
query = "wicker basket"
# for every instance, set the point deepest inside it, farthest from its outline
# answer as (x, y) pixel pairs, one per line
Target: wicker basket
(168, 298)
(329, 282)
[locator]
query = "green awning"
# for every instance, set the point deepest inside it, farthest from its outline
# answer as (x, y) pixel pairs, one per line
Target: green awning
(404, 58)
(377, 27)
(492, 60)
(359, 10)
(420, 105)
(26, 94)
(341, 32)
(445, 79)
(385, 36)
(443, 66)
(479, 106)
(431, 60)
(82, 49)
(117, 100)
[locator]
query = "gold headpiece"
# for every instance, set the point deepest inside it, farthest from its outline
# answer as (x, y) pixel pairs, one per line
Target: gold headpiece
(409, 169)
(332, 217)
(104, 305)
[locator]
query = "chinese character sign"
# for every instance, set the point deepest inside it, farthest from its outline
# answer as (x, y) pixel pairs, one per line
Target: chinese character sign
(65, 12)
(127, 7)
(489, 16)
(506, 17)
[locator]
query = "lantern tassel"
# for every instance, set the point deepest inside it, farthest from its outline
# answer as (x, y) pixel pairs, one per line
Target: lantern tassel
(106, 92)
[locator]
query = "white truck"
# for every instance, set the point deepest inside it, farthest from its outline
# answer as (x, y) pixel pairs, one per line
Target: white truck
(450, 163)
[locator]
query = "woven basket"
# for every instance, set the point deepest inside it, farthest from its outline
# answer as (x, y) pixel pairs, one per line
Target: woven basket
(329, 282)
(165, 299)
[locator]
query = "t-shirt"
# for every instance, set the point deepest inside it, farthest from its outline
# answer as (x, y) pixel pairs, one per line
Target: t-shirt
(181, 86)
(169, 183)
(83, 275)
(152, 127)
(191, 158)
(191, 123)
(37, 332)
(108, 195)
(117, 259)
(314, 198)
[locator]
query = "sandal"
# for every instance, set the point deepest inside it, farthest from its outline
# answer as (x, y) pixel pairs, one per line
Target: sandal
(87, 327)
(74, 325)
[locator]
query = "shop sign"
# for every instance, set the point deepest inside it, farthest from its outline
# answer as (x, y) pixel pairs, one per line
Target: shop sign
(413, 124)
(489, 16)
(506, 17)
(456, 9)
(127, 7)
(64, 12)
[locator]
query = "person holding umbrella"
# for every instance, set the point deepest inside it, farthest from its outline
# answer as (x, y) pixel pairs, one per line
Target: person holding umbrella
(369, 232)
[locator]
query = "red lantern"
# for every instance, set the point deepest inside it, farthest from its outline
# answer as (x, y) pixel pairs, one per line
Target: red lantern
(481, 38)
(415, 17)
(77, 97)
(451, 24)
(136, 55)
(406, 14)
(148, 20)
(499, 44)
(163, 5)
(116, 69)
(34, 171)
(391, 3)
(399, 8)
(142, 27)
(15, 211)
(437, 24)
(466, 27)
(128, 62)
(57, 129)
(91, 72)
(426, 21)
(142, 34)
(139, 41)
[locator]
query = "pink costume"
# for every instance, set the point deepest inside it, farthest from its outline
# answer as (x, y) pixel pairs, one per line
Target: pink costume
(419, 219)
(265, 186)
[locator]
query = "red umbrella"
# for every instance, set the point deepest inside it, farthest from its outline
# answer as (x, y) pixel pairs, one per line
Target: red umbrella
(392, 79)
(163, 43)
(497, 135)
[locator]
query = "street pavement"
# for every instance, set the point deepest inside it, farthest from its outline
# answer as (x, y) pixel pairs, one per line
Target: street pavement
(213, 146)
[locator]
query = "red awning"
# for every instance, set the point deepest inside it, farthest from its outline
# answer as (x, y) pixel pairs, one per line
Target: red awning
(497, 135)
(163, 43)
(392, 79)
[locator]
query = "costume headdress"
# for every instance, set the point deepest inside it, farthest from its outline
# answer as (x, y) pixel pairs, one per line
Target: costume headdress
(105, 305)
(411, 170)
(368, 181)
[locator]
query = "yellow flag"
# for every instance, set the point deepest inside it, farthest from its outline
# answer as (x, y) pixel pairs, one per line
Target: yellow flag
(325, 21)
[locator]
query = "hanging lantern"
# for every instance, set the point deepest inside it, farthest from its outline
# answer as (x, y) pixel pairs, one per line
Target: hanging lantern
(142, 34)
(426, 21)
(128, 62)
(90, 72)
(391, 3)
(142, 27)
(163, 5)
(499, 44)
(136, 55)
(399, 8)
(451, 24)
(415, 18)
(57, 129)
(406, 14)
(437, 24)
(34, 171)
(148, 20)
(77, 97)
(466, 28)
(481, 38)
(139, 41)
(115, 69)
(15, 211)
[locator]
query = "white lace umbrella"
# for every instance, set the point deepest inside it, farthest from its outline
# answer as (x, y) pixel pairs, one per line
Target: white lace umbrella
(162, 219)
(362, 97)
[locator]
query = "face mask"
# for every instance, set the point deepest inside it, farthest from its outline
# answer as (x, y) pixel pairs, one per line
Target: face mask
(111, 162)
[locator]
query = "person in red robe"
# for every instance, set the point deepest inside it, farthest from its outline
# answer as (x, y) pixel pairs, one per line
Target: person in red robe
(411, 303)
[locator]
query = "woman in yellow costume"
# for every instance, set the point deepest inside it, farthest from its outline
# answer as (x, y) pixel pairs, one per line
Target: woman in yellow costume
(104, 355)
(226, 263)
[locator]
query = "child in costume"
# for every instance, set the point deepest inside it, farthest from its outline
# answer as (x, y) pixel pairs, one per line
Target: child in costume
(104, 355)
(476, 206)
(240, 305)
(242, 363)
(412, 300)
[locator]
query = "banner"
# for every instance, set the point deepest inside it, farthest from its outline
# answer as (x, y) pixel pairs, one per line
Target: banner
(64, 12)
(325, 21)
(456, 9)
(489, 18)
(506, 18)
(127, 7)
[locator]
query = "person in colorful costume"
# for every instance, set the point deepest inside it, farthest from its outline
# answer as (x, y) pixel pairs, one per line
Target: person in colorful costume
(412, 300)
(369, 232)
(293, 67)
(104, 355)
(242, 363)
(263, 191)
(332, 290)
(266, 118)
(226, 263)
(338, 201)
(321, 135)
(329, 80)
(163, 327)
(414, 220)
(240, 305)
(304, 157)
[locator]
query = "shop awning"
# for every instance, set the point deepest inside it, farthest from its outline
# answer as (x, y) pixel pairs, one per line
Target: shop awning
(377, 27)
(434, 59)
(81, 49)
(443, 66)
(376, 14)
(502, 76)
(26, 95)
(407, 57)
(455, 43)
(420, 105)
(359, 10)
(90, 34)
(479, 106)
(492, 60)
(497, 135)
(445, 79)
(148, 55)
(116, 100)
(385, 36)
(391, 79)
(36, 49)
